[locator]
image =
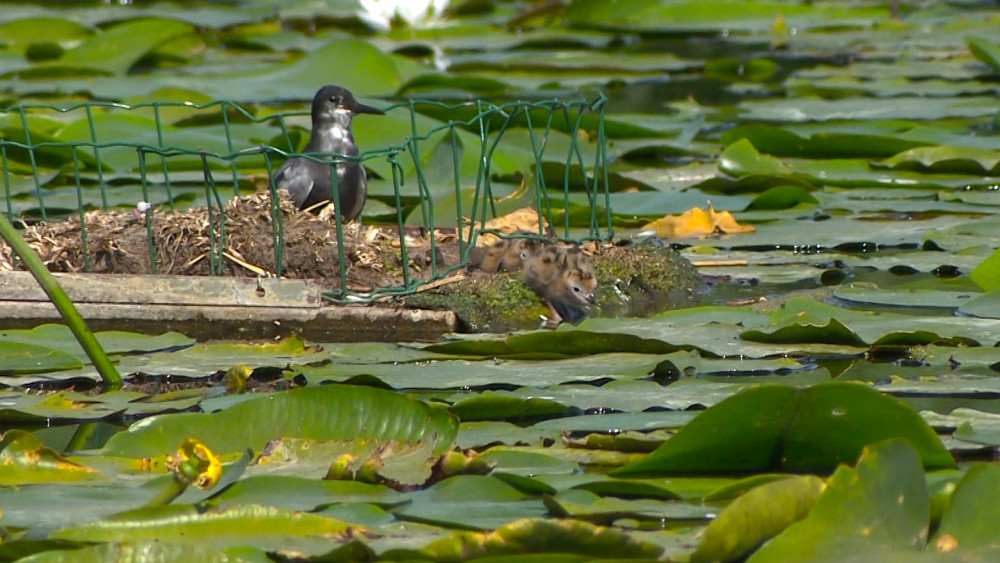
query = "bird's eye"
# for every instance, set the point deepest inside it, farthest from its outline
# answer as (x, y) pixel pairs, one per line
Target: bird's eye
(576, 289)
(335, 100)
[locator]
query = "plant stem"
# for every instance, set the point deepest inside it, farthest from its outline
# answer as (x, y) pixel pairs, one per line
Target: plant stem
(112, 380)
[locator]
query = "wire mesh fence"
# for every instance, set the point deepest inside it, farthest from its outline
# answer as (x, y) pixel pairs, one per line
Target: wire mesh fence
(184, 188)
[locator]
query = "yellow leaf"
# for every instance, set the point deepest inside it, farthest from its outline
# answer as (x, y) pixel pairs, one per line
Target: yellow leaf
(697, 223)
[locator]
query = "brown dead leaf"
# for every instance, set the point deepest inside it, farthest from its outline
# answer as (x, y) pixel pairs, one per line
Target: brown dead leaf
(524, 219)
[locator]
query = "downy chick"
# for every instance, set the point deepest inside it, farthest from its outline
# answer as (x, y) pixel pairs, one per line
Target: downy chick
(506, 255)
(564, 277)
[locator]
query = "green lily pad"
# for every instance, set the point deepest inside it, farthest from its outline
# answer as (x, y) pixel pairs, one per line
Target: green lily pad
(585, 505)
(334, 412)
(985, 306)
(926, 298)
(813, 429)
(757, 516)
(987, 273)
(298, 493)
(20, 35)
(833, 332)
(984, 50)
(964, 528)
(880, 506)
(555, 344)
(470, 502)
(253, 525)
(743, 159)
(781, 197)
(153, 550)
(24, 460)
(536, 536)
(947, 160)
(118, 48)
(489, 406)
(780, 141)
(18, 358)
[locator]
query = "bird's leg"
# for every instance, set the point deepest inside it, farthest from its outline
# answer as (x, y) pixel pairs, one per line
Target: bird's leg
(551, 322)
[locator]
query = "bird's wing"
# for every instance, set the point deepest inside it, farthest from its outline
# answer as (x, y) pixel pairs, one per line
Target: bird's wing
(294, 178)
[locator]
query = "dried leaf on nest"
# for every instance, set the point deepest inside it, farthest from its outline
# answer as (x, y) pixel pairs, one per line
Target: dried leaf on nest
(524, 219)
(698, 223)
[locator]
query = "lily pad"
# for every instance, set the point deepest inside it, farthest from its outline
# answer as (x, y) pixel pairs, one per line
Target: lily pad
(335, 412)
(812, 430)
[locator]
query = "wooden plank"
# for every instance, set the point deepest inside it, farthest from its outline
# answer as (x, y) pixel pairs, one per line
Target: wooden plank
(326, 324)
(214, 291)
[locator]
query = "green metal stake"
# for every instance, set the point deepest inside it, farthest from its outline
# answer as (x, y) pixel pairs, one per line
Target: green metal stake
(112, 380)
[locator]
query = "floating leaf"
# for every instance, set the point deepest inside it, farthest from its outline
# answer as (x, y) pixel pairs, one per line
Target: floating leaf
(781, 197)
(984, 50)
(24, 460)
(965, 526)
(753, 70)
(779, 141)
(252, 525)
(152, 550)
(771, 428)
(584, 505)
(947, 160)
(19, 358)
(490, 406)
(119, 47)
(927, 298)
(987, 273)
(743, 159)
(985, 306)
(534, 536)
(471, 502)
(757, 516)
(333, 412)
(833, 332)
(555, 344)
(879, 507)
(20, 35)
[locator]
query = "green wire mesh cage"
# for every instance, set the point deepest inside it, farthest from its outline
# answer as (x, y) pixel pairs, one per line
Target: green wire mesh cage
(184, 188)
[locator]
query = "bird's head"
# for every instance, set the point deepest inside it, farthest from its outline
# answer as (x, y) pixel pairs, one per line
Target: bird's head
(334, 104)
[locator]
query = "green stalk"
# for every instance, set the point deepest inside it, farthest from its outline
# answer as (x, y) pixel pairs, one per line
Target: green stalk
(112, 380)
(168, 493)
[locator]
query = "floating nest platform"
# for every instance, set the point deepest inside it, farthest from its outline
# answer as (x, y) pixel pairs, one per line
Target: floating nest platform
(185, 242)
(632, 279)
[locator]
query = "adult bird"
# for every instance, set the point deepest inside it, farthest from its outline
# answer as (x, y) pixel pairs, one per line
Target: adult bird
(309, 182)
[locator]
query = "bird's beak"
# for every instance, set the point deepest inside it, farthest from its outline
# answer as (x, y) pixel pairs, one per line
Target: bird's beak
(362, 108)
